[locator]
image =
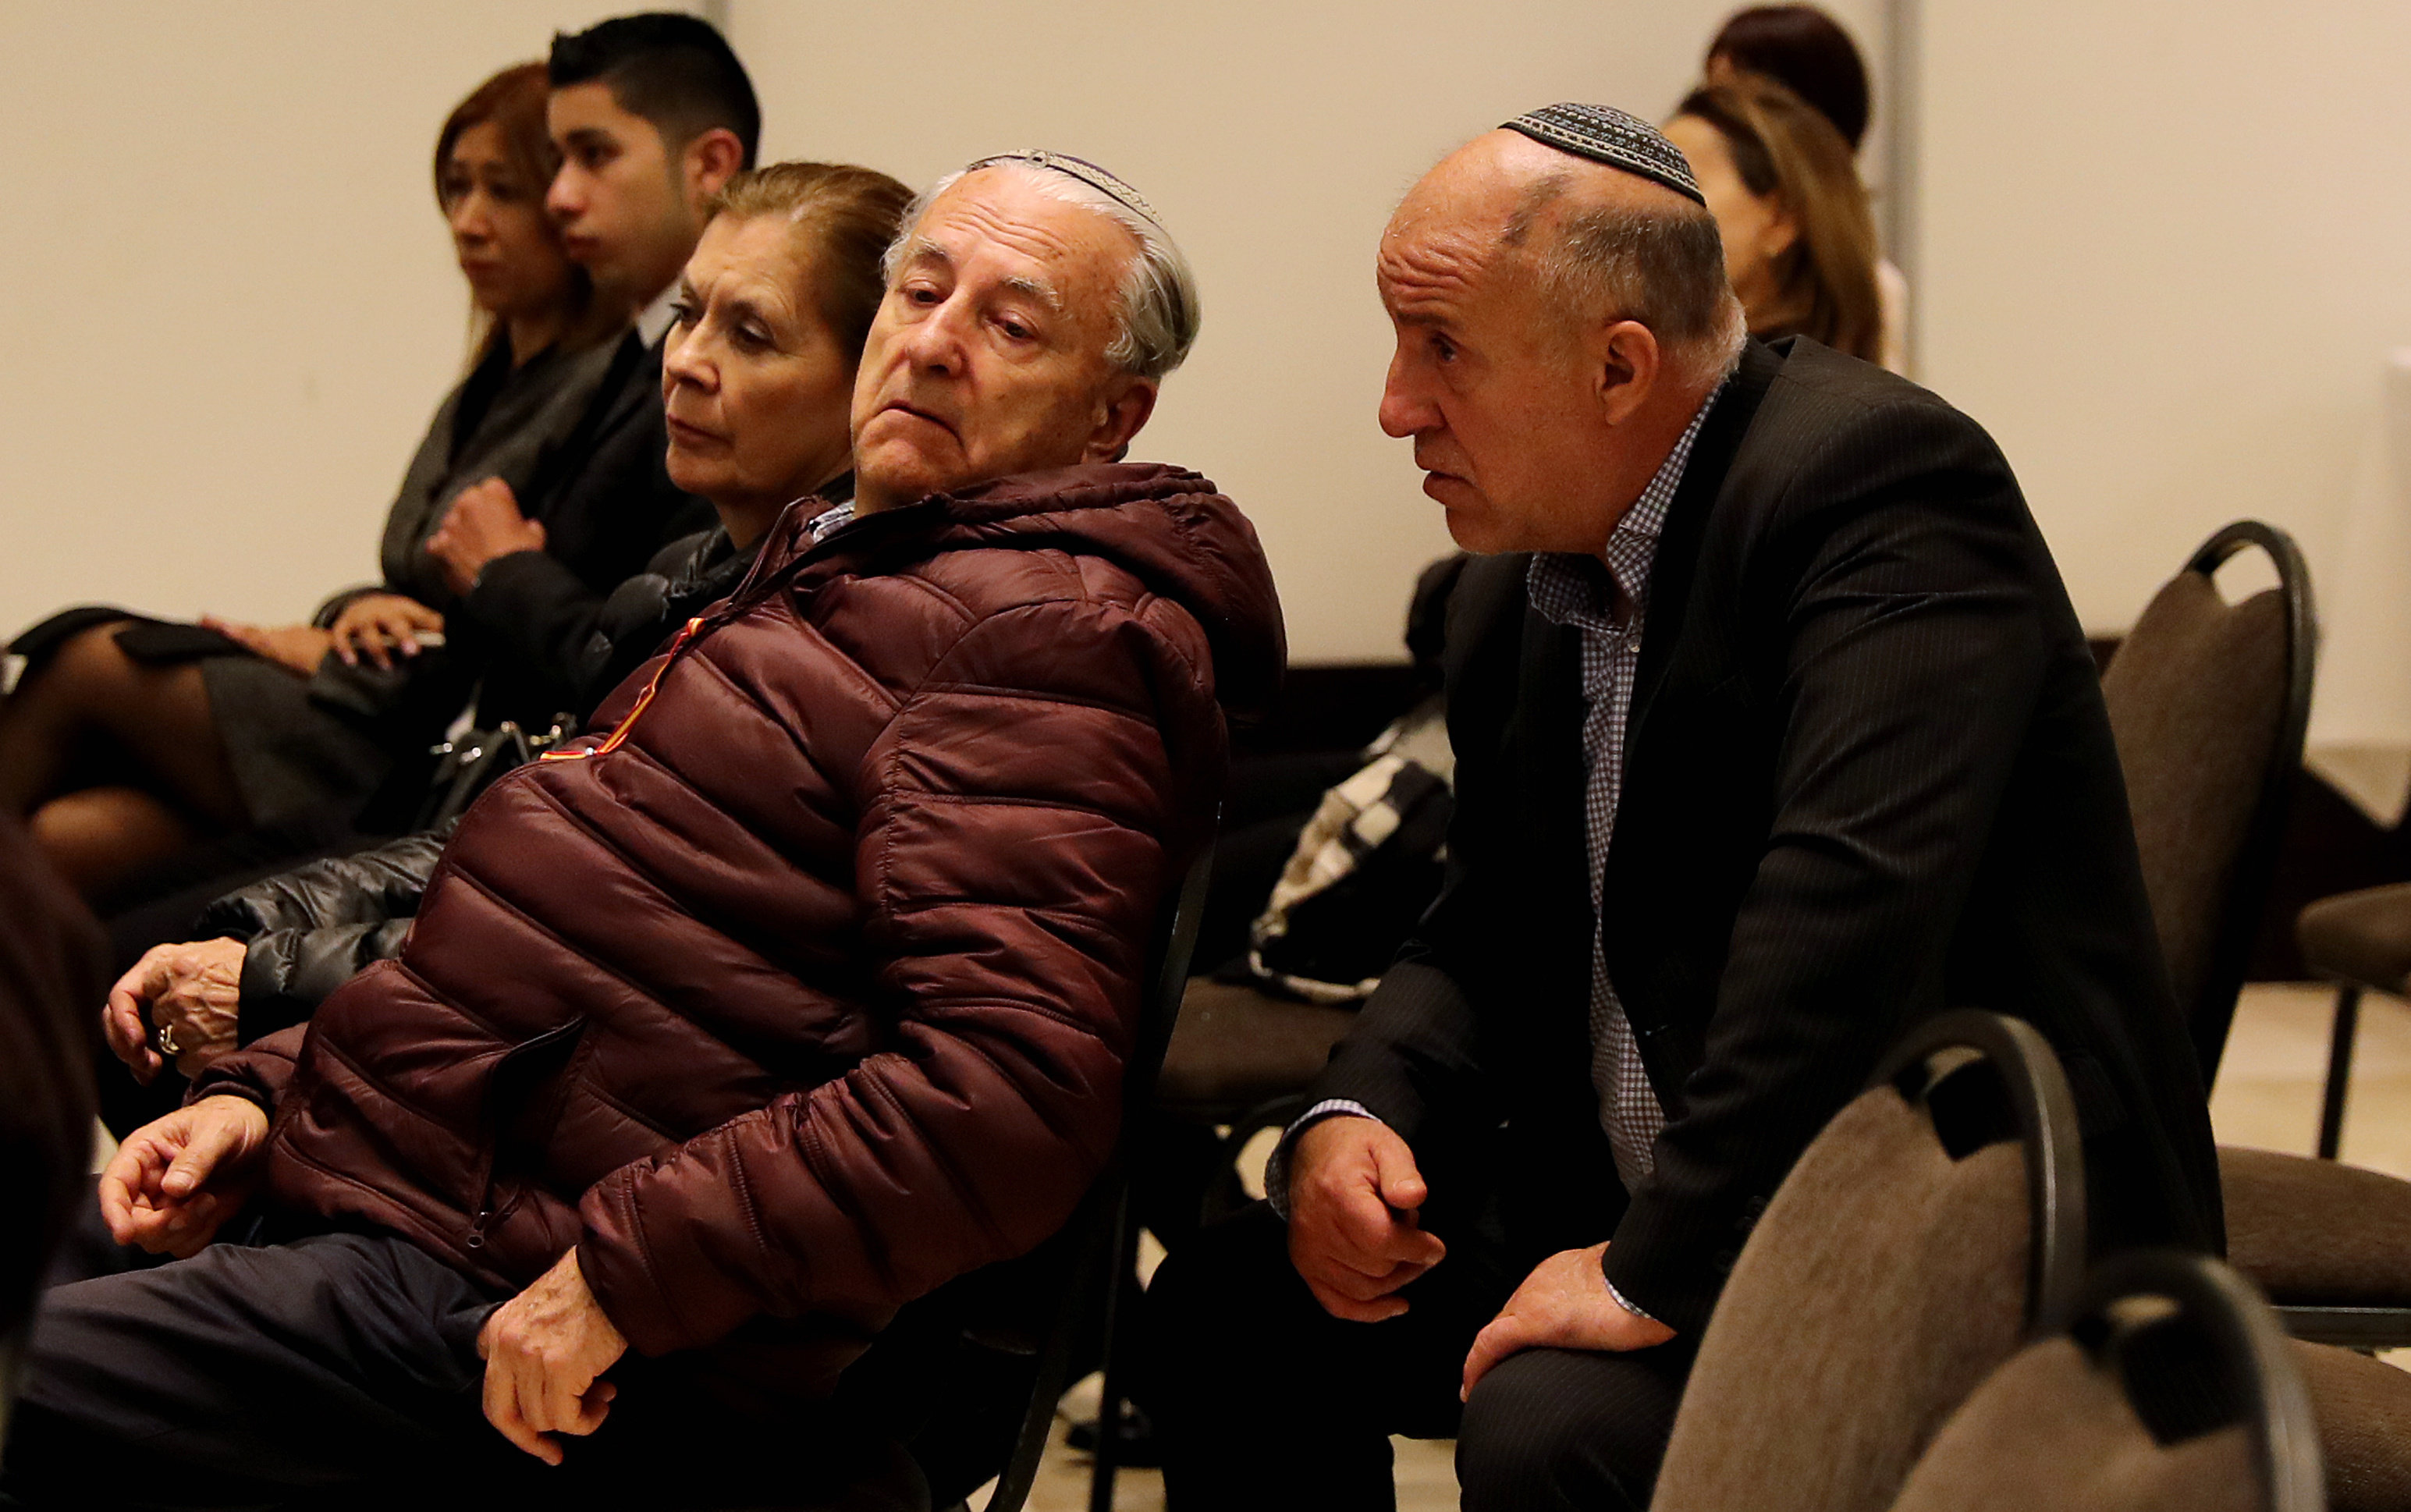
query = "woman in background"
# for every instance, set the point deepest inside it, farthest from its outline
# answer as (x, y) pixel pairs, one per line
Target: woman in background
(1800, 247)
(757, 378)
(126, 740)
(1806, 51)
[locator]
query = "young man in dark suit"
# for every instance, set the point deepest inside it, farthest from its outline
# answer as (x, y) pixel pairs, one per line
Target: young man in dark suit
(1776, 733)
(651, 114)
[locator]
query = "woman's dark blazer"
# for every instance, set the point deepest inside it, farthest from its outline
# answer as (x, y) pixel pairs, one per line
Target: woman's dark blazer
(1868, 778)
(608, 505)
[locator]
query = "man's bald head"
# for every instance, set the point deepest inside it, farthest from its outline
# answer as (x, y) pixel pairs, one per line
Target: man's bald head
(1560, 323)
(1599, 243)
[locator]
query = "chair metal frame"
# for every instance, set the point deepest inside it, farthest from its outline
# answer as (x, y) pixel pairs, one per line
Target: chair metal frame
(2247, 1332)
(1101, 1235)
(1138, 1093)
(2252, 870)
(2249, 880)
(2045, 1111)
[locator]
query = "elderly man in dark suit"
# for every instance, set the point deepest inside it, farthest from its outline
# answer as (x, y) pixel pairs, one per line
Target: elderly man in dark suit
(1776, 733)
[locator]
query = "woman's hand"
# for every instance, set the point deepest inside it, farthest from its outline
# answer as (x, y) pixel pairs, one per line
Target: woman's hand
(175, 1180)
(380, 625)
(483, 522)
(192, 992)
(298, 648)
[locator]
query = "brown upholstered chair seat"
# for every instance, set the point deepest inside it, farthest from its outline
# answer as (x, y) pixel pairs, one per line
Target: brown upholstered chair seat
(2173, 1389)
(1884, 1282)
(1235, 1048)
(2363, 1408)
(2314, 1232)
(2362, 936)
(2051, 1428)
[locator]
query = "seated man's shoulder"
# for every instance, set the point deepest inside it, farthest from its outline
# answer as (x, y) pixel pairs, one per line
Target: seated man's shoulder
(1832, 431)
(1820, 392)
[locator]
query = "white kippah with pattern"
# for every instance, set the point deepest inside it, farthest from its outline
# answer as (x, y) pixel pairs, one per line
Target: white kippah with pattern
(1604, 134)
(1077, 168)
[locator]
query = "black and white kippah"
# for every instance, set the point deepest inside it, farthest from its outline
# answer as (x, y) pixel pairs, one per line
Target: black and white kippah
(1077, 168)
(1604, 134)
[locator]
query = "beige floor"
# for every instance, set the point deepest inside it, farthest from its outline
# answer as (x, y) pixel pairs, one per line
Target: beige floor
(2267, 1094)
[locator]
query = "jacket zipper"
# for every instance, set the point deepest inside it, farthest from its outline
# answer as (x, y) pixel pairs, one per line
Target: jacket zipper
(759, 584)
(487, 1212)
(620, 733)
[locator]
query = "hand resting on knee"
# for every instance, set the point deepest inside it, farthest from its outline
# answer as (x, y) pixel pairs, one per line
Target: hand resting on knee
(176, 1179)
(1563, 1304)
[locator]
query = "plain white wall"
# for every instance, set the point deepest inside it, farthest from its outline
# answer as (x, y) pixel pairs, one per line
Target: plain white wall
(230, 304)
(2166, 245)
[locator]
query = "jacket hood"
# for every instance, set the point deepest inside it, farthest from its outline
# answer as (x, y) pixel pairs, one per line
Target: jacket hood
(1166, 526)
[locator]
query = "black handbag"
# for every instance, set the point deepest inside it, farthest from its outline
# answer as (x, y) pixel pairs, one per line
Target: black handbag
(467, 766)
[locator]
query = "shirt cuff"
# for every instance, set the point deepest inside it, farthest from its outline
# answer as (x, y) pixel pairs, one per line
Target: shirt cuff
(1277, 1169)
(1626, 1302)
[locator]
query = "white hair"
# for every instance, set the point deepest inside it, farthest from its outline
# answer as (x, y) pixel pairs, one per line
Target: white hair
(1157, 323)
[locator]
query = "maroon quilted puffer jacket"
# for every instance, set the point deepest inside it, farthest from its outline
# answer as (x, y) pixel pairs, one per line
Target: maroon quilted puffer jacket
(808, 988)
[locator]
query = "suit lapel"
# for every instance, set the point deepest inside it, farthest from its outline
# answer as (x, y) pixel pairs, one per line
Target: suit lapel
(1546, 765)
(1686, 526)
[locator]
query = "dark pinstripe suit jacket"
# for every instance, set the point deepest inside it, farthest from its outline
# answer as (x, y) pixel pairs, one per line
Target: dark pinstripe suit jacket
(1868, 778)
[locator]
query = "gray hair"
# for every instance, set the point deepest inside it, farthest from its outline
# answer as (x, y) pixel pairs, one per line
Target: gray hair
(1157, 323)
(1661, 266)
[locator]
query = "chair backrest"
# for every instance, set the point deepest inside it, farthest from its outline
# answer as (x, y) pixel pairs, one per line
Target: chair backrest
(1083, 1256)
(2174, 1391)
(1937, 1222)
(2208, 701)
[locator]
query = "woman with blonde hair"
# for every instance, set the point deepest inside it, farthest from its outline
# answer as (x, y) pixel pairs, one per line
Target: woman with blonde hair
(1800, 243)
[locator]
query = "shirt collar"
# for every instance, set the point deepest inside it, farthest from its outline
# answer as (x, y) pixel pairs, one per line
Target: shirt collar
(653, 321)
(1580, 589)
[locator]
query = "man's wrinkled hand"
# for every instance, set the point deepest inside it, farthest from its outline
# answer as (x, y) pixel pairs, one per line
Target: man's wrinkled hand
(382, 626)
(483, 522)
(176, 1179)
(1563, 1304)
(296, 647)
(1354, 1233)
(193, 990)
(545, 1351)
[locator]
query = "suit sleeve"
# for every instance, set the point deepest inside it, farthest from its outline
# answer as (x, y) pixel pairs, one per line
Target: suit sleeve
(1913, 650)
(1413, 1056)
(1021, 817)
(538, 615)
(533, 612)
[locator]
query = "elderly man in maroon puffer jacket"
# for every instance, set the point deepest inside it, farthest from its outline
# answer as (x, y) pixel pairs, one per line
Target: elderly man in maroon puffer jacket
(724, 1035)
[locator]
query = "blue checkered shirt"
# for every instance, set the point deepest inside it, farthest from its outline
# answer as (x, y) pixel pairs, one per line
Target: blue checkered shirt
(1606, 599)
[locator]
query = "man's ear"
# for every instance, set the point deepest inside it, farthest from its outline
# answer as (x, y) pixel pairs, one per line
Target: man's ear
(1121, 415)
(1626, 364)
(711, 161)
(1782, 234)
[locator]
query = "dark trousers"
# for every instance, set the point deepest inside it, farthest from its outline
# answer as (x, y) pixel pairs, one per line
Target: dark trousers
(1263, 1400)
(343, 1368)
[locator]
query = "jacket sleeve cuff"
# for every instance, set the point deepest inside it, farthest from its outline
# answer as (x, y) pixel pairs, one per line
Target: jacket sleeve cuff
(615, 1256)
(1628, 1303)
(1277, 1169)
(259, 1071)
(509, 586)
(1670, 1257)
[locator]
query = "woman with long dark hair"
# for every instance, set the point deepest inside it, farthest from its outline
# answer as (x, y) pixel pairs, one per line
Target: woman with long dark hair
(127, 739)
